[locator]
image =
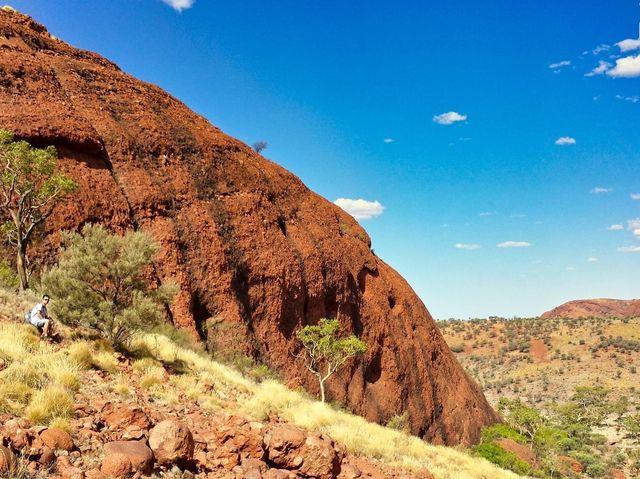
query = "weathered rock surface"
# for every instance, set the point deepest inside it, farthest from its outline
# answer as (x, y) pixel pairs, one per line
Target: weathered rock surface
(596, 308)
(171, 442)
(255, 252)
(137, 452)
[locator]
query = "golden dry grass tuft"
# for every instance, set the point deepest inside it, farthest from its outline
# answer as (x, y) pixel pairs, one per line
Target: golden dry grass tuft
(54, 402)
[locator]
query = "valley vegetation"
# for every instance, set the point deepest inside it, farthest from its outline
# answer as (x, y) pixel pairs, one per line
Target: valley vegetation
(567, 389)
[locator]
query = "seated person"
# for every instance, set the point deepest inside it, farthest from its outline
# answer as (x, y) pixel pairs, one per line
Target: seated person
(40, 317)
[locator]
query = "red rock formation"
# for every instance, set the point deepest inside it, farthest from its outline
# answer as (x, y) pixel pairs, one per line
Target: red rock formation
(249, 244)
(596, 308)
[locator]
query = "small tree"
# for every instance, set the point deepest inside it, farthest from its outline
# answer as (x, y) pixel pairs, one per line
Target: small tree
(31, 186)
(100, 283)
(525, 419)
(326, 352)
(258, 146)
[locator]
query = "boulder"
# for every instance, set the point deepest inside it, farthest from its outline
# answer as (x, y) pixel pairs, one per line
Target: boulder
(67, 470)
(140, 456)
(171, 442)
(57, 439)
(116, 465)
(309, 454)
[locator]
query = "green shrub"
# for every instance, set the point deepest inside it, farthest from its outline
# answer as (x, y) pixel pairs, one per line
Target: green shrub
(508, 460)
(8, 276)
(457, 348)
(400, 422)
(497, 431)
(100, 283)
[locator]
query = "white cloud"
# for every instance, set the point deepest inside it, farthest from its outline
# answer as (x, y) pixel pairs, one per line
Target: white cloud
(634, 225)
(360, 209)
(487, 213)
(563, 63)
(635, 196)
(449, 118)
(599, 70)
(514, 244)
(571, 268)
(592, 259)
(626, 67)
(629, 44)
(467, 246)
(565, 140)
(631, 99)
(603, 47)
(388, 140)
(599, 189)
(615, 228)
(629, 249)
(179, 5)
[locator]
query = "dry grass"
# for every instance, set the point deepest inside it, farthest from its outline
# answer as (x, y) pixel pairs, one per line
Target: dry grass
(49, 404)
(215, 385)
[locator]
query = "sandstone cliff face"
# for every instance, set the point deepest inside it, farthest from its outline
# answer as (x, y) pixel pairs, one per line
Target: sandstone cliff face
(249, 244)
(596, 308)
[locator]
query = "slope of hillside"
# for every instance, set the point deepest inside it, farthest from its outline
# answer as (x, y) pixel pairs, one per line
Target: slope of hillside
(255, 252)
(237, 427)
(596, 308)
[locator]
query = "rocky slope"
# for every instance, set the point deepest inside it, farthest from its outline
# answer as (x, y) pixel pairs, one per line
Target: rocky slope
(255, 252)
(596, 308)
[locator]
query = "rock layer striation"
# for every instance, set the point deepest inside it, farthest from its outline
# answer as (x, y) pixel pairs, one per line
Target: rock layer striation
(255, 252)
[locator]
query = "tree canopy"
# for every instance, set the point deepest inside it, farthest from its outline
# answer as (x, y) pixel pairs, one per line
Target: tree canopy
(30, 185)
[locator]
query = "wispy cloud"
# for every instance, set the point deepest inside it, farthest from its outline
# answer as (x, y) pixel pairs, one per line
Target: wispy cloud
(615, 228)
(563, 63)
(360, 209)
(629, 44)
(487, 213)
(449, 118)
(571, 268)
(626, 67)
(388, 140)
(514, 244)
(629, 249)
(599, 70)
(467, 246)
(592, 259)
(565, 140)
(599, 190)
(603, 47)
(635, 196)
(179, 5)
(631, 99)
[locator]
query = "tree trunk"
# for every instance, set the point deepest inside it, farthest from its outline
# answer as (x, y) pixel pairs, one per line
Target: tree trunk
(321, 389)
(21, 265)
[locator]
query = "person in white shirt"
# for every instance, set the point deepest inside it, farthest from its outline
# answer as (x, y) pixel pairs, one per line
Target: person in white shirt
(40, 317)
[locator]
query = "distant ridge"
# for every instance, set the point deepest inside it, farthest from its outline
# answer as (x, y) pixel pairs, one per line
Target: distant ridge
(603, 307)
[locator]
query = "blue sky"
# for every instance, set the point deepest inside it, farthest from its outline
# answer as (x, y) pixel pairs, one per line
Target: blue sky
(506, 123)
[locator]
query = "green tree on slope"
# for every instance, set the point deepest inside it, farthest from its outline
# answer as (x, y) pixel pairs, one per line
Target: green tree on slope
(30, 187)
(325, 351)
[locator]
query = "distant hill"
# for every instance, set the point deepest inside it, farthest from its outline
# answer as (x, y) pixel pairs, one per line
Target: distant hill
(596, 308)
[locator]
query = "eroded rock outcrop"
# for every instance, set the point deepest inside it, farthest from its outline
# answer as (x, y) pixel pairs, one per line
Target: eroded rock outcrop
(256, 253)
